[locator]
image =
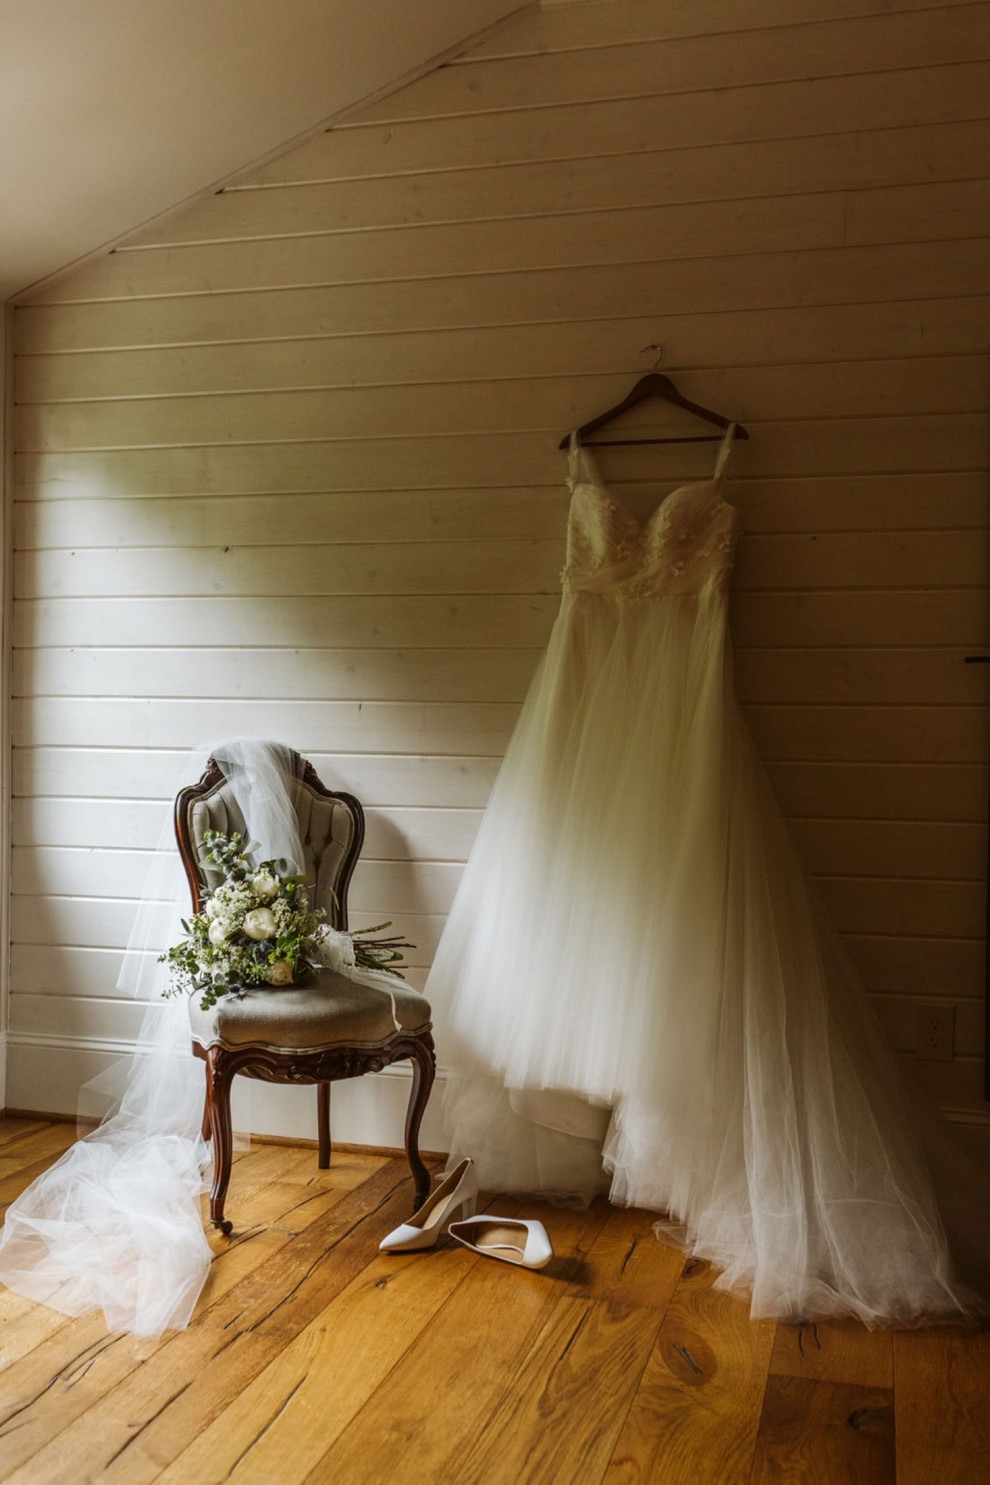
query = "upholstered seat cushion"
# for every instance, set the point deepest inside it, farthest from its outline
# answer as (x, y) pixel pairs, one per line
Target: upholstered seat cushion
(332, 1012)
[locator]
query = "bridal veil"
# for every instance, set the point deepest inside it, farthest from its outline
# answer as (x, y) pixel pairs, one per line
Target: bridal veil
(115, 1224)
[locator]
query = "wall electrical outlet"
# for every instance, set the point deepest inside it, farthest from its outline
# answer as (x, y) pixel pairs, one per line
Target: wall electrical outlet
(934, 1032)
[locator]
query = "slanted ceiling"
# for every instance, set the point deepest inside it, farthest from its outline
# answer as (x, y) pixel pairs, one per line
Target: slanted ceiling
(114, 111)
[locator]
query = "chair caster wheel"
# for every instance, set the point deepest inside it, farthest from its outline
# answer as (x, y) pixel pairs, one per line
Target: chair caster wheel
(222, 1225)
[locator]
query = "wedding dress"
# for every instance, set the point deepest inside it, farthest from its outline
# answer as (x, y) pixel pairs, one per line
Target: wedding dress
(640, 979)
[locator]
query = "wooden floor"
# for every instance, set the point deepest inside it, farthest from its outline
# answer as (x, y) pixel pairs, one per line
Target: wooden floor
(312, 1357)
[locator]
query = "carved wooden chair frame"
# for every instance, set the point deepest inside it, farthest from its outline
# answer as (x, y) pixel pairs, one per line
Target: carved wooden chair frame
(289, 1066)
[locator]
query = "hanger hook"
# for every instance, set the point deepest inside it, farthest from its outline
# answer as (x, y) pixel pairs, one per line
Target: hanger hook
(659, 350)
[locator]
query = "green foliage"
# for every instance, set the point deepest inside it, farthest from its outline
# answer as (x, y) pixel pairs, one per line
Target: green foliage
(258, 929)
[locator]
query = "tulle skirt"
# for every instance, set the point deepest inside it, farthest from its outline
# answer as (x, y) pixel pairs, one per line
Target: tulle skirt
(644, 994)
(115, 1224)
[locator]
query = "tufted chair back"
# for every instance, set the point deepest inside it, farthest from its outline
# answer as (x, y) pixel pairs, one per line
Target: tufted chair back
(331, 828)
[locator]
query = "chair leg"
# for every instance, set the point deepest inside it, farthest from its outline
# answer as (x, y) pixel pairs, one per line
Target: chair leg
(218, 1080)
(424, 1070)
(323, 1124)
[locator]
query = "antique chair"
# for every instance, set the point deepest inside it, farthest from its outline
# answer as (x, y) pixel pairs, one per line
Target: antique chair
(332, 1029)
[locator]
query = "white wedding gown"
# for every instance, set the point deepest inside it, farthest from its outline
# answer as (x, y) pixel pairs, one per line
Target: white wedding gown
(640, 978)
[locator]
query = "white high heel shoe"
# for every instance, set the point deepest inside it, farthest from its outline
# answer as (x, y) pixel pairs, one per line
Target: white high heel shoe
(458, 1189)
(518, 1240)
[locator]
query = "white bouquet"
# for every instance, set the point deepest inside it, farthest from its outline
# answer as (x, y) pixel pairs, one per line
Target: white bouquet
(258, 928)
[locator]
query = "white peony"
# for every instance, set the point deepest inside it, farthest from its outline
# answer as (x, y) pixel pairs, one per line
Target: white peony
(260, 923)
(280, 973)
(219, 929)
(265, 884)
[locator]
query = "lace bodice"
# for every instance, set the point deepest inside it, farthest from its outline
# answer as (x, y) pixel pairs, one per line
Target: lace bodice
(685, 547)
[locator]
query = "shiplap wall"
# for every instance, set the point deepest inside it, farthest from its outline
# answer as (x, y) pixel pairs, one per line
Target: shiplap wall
(6, 599)
(287, 465)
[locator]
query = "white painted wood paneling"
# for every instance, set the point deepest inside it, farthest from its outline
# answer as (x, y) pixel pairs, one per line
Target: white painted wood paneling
(882, 99)
(352, 726)
(287, 466)
(866, 388)
(6, 630)
(765, 168)
(814, 334)
(410, 567)
(623, 68)
(916, 273)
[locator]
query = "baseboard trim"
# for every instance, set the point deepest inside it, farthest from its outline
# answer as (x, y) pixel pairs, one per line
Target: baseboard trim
(367, 1112)
(46, 1116)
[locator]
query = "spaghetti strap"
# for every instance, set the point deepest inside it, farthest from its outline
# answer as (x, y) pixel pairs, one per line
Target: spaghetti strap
(582, 468)
(574, 457)
(723, 453)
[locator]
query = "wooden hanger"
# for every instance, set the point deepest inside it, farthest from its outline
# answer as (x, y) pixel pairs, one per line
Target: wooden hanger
(654, 384)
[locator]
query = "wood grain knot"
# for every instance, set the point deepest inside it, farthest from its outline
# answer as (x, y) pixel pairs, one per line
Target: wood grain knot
(871, 1420)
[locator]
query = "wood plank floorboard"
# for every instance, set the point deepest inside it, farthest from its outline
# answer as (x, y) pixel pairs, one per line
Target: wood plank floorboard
(697, 1409)
(314, 1358)
(425, 1418)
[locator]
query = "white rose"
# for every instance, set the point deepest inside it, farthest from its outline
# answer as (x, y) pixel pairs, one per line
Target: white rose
(265, 884)
(260, 923)
(219, 930)
(280, 973)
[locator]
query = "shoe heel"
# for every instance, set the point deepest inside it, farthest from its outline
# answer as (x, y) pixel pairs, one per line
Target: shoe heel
(469, 1208)
(457, 1189)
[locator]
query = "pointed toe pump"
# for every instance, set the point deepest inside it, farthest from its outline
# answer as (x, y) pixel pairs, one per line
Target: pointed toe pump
(523, 1242)
(456, 1190)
